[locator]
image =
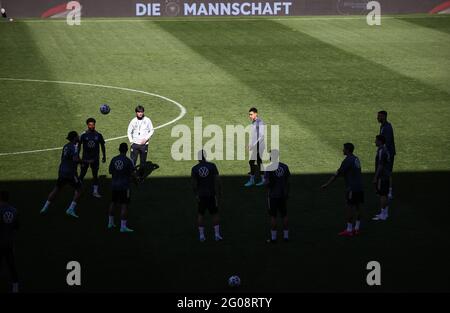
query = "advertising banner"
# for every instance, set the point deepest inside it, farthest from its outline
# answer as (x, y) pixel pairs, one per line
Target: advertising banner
(208, 8)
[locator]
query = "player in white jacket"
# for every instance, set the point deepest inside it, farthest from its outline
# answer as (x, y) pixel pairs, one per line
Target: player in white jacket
(139, 133)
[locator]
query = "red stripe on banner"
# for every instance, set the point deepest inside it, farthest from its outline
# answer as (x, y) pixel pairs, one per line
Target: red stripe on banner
(440, 8)
(55, 10)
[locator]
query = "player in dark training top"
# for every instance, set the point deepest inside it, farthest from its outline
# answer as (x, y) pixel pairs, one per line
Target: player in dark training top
(122, 170)
(350, 169)
(208, 191)
(67, 174)
(91, 141)
(8, 226)
(277, 181)
(387, 131)
(382, 176)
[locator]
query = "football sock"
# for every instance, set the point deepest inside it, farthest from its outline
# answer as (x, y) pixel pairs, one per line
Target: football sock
(111, 220)
(273, 234)
(15, 287)
(123, 223)
(201, 231)
(357, 225)
(72, 206)
(46, 205)
(286, 234)
(349, 227)
(217, 230)
(95, 187)
(385, 211)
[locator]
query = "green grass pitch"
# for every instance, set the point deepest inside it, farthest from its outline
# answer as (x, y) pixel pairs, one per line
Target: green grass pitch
(322, 79)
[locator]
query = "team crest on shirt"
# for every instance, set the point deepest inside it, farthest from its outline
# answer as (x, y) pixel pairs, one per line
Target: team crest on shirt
(279, 172)
(8, 217)
(203, 171)
(118, 165)
(91, 144)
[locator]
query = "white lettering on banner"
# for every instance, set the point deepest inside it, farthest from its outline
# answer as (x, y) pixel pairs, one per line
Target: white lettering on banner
(220, 8)
(149, 9)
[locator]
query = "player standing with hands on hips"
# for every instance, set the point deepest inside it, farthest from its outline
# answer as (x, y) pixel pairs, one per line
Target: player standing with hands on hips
(140, 130)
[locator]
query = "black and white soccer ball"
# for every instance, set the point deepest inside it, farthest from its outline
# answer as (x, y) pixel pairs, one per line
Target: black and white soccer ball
(105, 109)
(234, 281)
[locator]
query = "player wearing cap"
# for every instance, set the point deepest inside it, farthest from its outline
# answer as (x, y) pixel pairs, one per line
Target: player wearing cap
(67, 174)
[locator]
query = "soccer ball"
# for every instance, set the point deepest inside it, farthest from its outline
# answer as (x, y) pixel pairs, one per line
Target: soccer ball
(234, 281)
(2, 11)
(11, 20)
(105, 109)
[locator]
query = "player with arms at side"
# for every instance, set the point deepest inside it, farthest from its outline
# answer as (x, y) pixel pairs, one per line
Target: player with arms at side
(90, 143)
(382, 176)
(387, 131)
(208, 191)
(277, 181)
(9, 223)
(350, 169)
(255, 147)
(140, 130)
(122, 170)
(67, 174)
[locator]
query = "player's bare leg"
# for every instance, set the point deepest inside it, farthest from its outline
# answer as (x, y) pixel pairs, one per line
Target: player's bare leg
(390, 194)
(123, 219)
(384, 203)
(285, 228)
(83, 170)
(348, 232)
(273, 230)
(111, 216)
(95, 192)
(50, 199)
(11, 264)
(358, 213)
(201, 227)
(216, 221)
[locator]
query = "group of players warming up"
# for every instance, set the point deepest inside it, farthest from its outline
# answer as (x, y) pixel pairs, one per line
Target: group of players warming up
(121, 168)
(350, 169)
(205, 180)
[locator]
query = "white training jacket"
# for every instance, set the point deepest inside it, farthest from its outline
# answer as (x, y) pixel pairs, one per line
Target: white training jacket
(139, 130)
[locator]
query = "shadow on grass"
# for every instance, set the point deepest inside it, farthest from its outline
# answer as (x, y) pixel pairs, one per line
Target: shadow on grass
(165, 255)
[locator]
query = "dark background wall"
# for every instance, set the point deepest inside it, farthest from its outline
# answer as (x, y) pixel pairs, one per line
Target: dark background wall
(127, 8)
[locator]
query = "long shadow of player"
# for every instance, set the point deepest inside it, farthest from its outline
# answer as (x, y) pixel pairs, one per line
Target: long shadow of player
(145, 171)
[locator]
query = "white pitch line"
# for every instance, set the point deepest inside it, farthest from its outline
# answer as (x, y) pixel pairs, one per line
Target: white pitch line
(180, 116)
